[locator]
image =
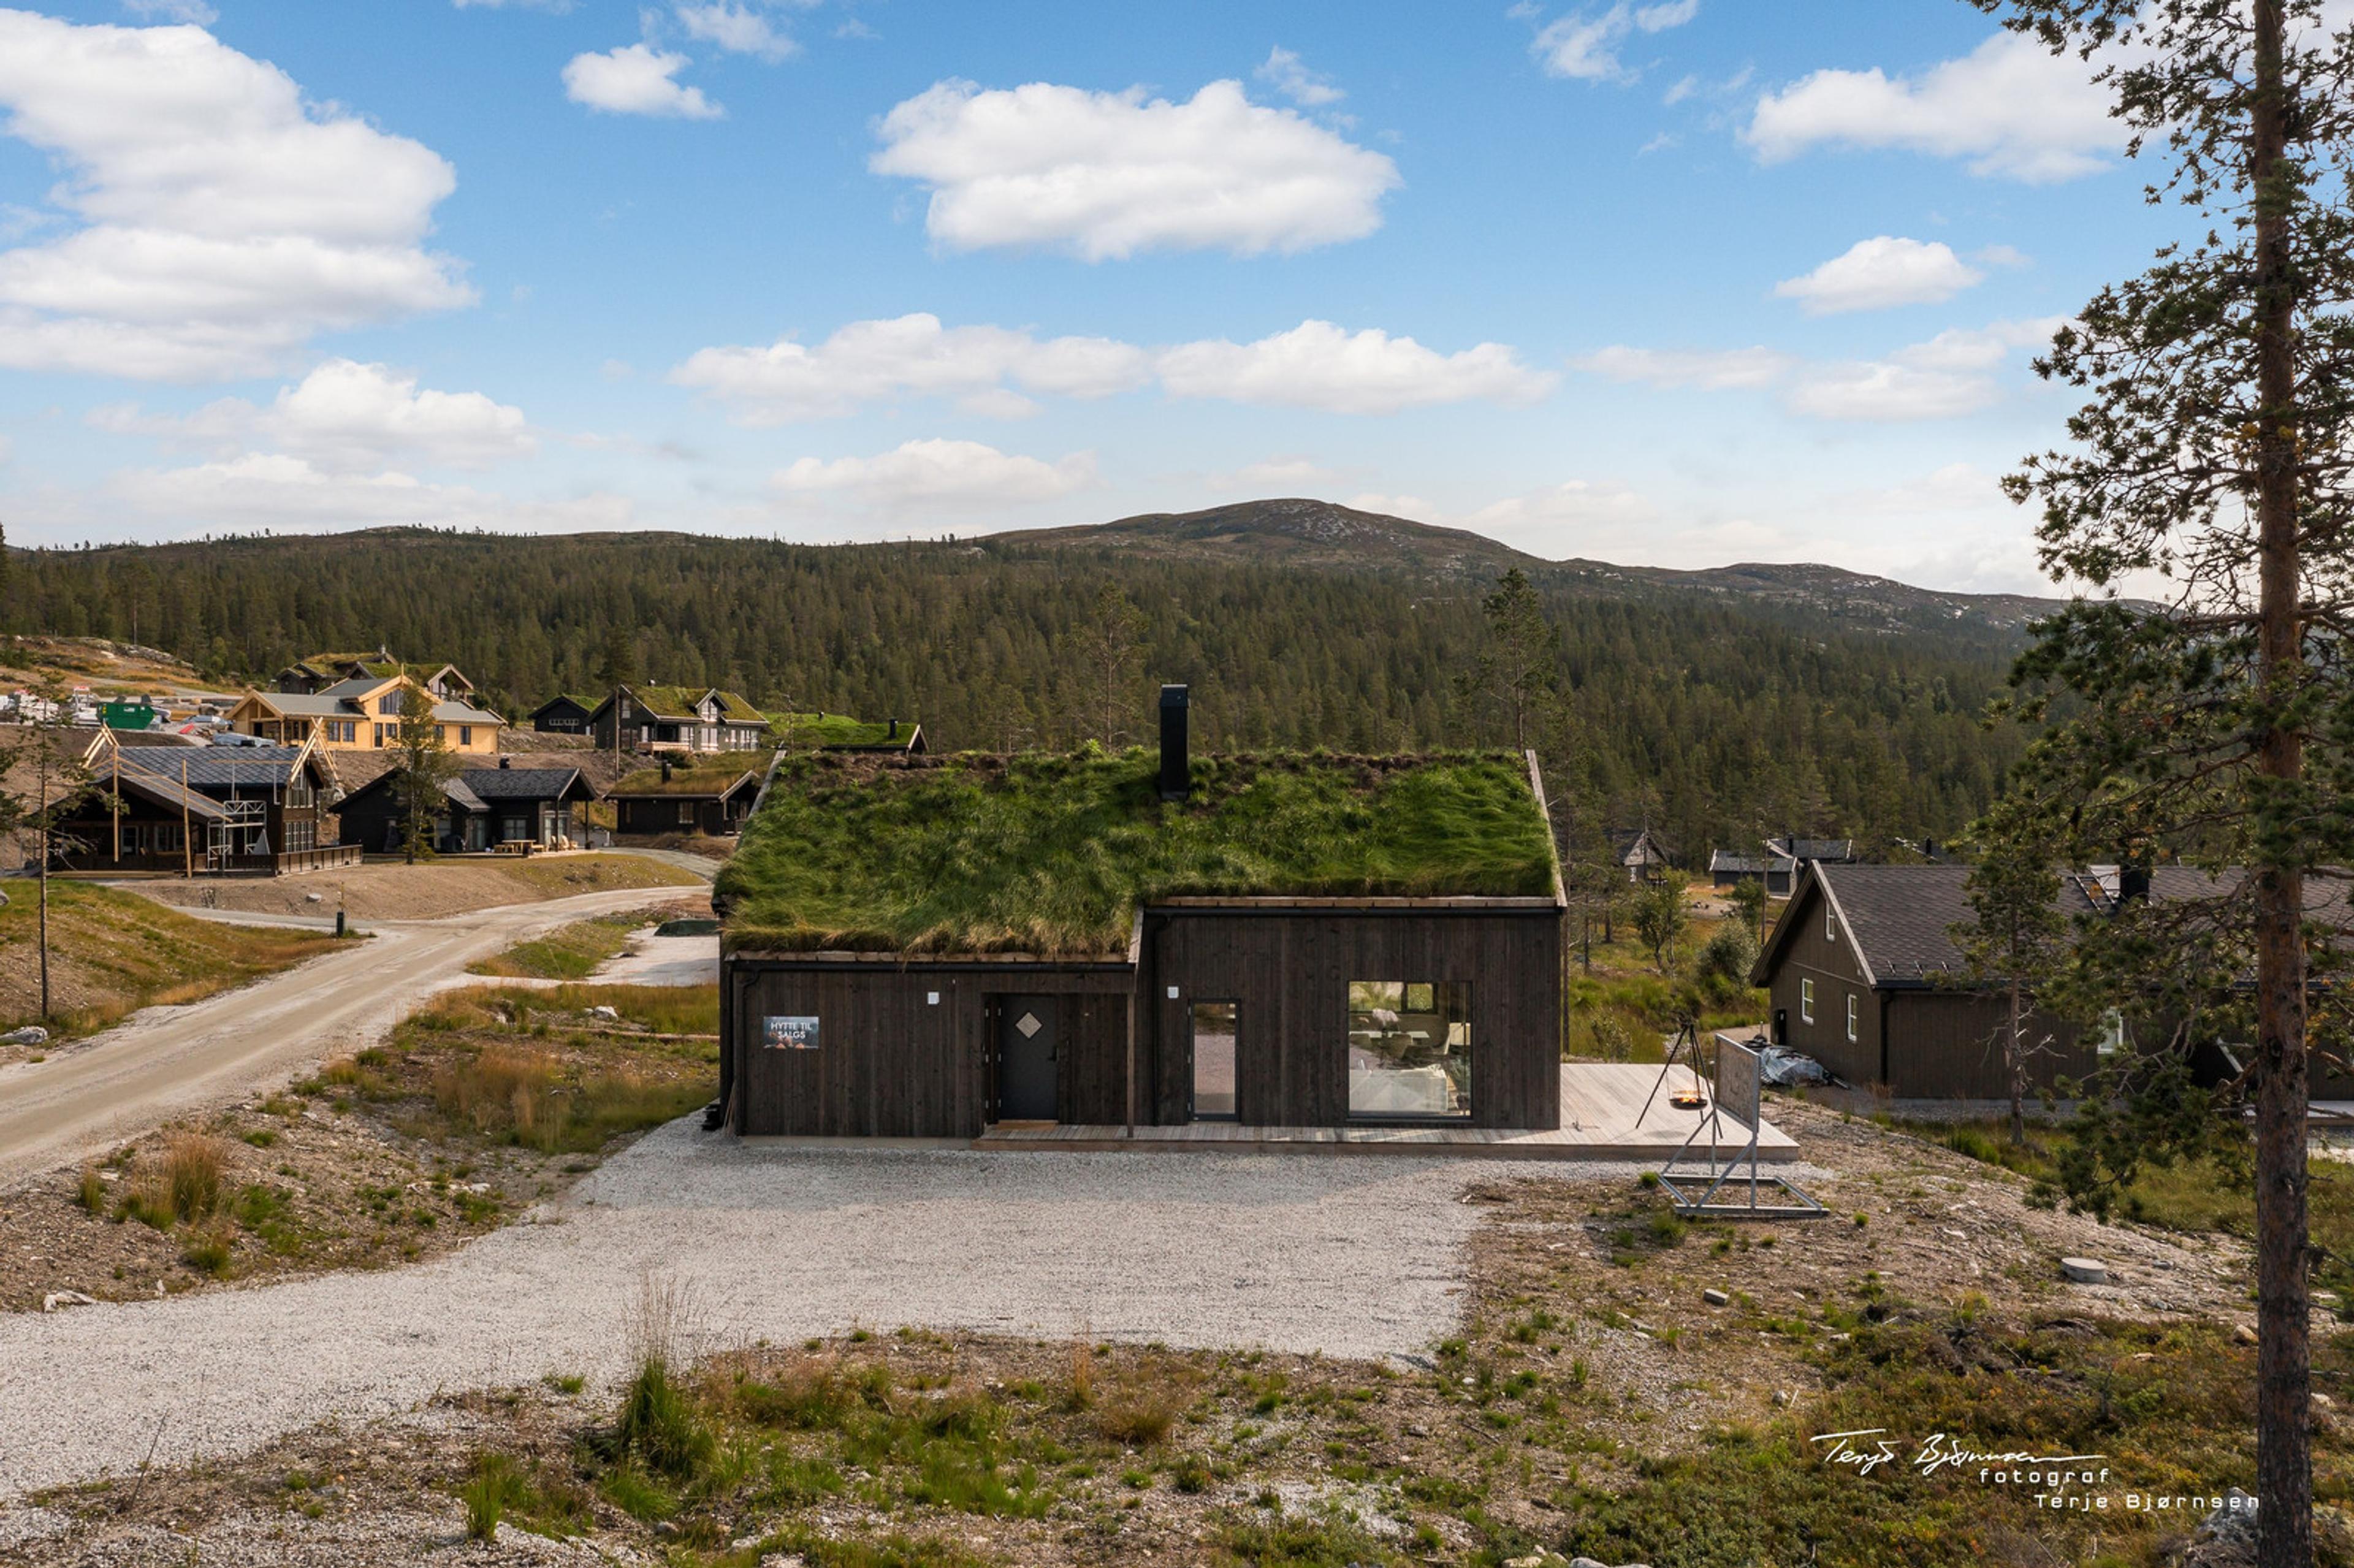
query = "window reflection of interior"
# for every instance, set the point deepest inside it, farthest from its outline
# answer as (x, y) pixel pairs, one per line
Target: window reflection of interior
(1214, 1061)
(1409, 1048)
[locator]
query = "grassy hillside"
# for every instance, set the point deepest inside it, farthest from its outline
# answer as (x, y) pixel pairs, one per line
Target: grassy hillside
(111, 953)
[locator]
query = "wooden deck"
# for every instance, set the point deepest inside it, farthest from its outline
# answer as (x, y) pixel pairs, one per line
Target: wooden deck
(1599, 1108)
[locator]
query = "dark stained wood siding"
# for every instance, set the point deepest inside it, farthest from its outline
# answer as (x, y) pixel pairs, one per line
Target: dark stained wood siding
(889, 1063)
(1944, 1045)
(1287, 971)
(1832, 965)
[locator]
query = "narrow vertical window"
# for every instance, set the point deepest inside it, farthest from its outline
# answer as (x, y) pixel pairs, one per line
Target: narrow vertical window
(1807, 1000)
(1851, 1000)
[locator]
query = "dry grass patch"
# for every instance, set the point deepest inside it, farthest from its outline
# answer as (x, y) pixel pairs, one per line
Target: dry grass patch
(111, 953)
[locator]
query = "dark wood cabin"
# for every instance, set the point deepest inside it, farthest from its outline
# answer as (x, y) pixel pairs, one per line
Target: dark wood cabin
(1268, 1006)
(482, 809)
(670, 798)
(265, 810)
(1859, 967)
(566, 715)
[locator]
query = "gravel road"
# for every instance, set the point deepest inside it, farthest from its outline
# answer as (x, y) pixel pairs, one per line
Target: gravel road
(1349, 1256)
(172, 1061)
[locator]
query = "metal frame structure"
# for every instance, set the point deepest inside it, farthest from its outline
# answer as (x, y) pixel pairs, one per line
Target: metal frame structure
(1737, 1092)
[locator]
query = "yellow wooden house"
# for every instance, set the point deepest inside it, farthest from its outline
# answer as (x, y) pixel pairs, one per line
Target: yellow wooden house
(361, 714)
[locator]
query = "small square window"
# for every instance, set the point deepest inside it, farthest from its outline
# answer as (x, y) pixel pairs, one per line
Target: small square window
(931, 999)
(1173, 993)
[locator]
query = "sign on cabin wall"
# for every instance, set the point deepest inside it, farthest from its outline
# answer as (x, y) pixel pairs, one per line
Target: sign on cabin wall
(794, 1033)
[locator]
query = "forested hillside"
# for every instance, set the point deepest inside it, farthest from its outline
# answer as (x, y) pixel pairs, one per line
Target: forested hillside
(1710, 721)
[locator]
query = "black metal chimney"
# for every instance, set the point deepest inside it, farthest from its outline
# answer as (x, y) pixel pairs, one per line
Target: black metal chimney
(2133, 882)
(1176, 767)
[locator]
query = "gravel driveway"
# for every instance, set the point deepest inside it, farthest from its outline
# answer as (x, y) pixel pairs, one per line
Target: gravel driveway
(1352, 1257)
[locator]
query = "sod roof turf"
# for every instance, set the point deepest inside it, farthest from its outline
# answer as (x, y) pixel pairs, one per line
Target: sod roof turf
(1051, 854)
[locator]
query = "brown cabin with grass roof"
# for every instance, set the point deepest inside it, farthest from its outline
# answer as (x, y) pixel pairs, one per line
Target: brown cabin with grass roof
(1271, 1008)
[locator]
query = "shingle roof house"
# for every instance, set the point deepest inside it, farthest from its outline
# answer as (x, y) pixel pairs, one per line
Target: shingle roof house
(483, 808)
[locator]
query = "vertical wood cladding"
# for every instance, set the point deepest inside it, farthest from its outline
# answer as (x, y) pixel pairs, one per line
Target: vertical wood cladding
(891, 1065)
(1289, 973)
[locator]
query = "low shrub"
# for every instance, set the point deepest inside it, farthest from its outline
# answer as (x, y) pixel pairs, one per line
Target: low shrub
(660, 1426)
(210, 1251)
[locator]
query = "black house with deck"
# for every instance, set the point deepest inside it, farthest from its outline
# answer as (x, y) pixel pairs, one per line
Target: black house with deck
(482, 810)
(925, 946)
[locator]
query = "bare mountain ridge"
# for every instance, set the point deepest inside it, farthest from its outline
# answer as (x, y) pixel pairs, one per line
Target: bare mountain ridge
(1305, 533)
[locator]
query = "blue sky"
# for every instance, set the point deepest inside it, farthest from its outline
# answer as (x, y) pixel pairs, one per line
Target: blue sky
(1667, 281)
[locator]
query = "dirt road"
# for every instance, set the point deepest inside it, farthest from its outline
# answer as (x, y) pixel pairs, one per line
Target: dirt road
(172, 1061)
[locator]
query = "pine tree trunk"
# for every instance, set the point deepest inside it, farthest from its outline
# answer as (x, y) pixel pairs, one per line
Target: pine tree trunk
(2017, 1062)
(2284, 1373)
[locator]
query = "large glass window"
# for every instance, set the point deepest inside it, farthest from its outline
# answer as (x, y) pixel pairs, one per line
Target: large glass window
(1409, 1048)
(1214, 1061)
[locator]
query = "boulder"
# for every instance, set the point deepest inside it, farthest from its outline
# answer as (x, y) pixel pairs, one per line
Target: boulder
(56, 1299)
(2084, 1270)
(31, 1034)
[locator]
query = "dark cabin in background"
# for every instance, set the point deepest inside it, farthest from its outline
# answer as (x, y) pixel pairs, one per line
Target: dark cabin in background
(1860, 966)
(1638, 852)
(711, 799)
(566, 715)
(483, 809)
(1276, 1002)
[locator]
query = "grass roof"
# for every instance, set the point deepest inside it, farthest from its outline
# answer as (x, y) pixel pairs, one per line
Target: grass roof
(702, 779)
(1052, 855)
(839, 730)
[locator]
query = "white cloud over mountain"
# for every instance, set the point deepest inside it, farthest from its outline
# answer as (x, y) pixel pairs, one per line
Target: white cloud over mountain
(1880, 273)
(276, 490)
(1106, 175)
(636, 79)
(348, 417)
(935, 474)
(2011, 107)
(1316, 365)
(988, 370)
(224, 221)
(1946, 377)
(909, 356)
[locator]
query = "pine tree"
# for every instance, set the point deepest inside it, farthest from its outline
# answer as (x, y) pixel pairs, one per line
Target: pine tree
(2212, 450)
(421, 767)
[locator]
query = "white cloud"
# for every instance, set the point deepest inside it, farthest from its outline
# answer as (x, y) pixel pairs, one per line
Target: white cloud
(195, 11)
(988, 370)
(1710, 370)
(1107, 174)
(1316, 365)
(1946, 377)
(1584, 46)
(934, 474)
(739, 29)
(1888, 391)
(1283, 71)
(636, 79)
(2011, 107)
(224, 222)
(1880, 274)
(1288, 475)
(269, 490)
(912, 355)
(1557, 520)
(349, 418)
(559, 6)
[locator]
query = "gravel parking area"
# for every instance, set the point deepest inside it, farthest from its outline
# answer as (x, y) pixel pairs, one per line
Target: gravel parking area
(1360, 1258)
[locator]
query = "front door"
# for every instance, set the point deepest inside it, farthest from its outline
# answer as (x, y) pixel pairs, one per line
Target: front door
(1026, 1055)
